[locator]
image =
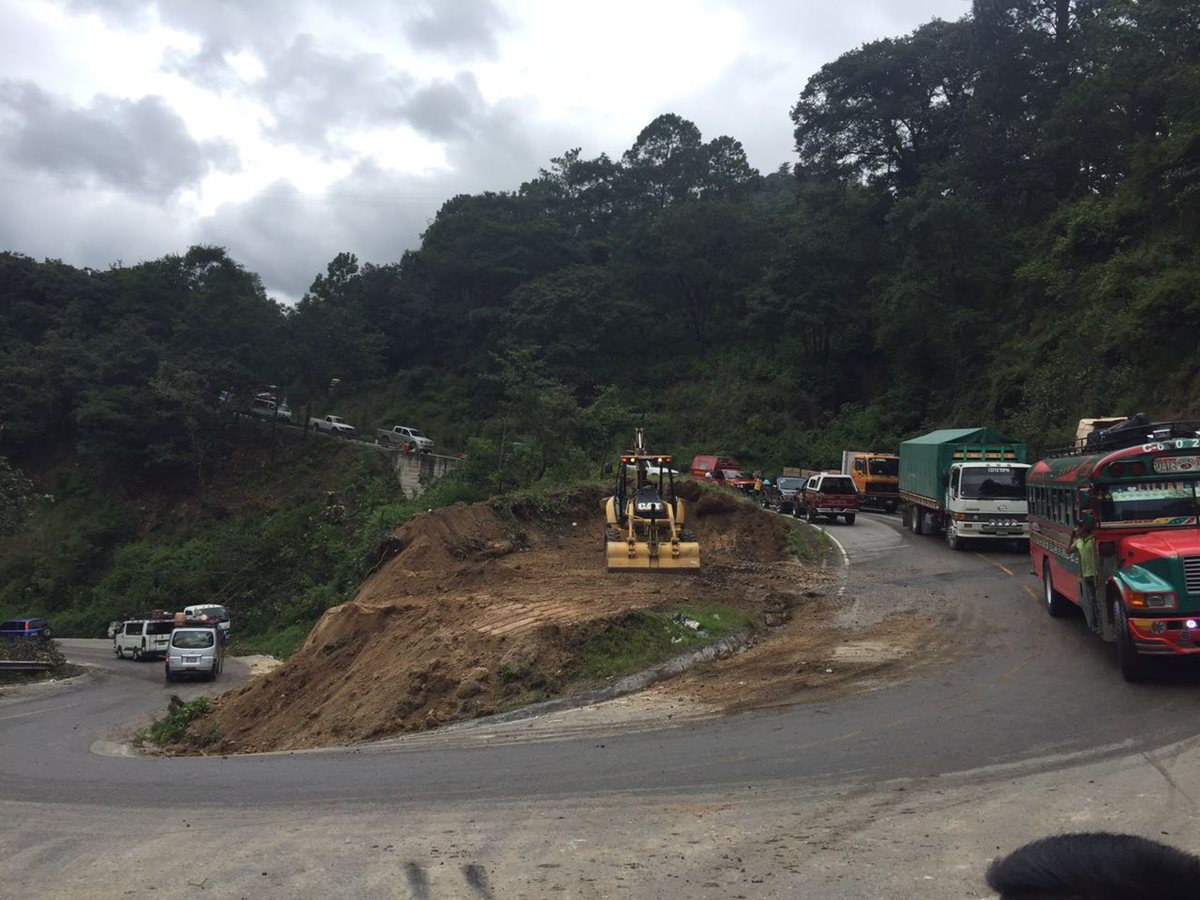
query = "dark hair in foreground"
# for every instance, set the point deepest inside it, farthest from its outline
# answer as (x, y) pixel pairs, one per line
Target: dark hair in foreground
(1096, 866)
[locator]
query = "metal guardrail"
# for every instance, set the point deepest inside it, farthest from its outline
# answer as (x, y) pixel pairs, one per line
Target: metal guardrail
(25, 665)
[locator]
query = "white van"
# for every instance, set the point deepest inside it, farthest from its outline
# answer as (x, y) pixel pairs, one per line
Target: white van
(194, 651)
(143, 638)
(209, 610)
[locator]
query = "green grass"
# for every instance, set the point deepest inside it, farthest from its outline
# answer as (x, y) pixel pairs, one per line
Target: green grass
(174, 727)
(642, 639)
(810, 546)
(280, 644)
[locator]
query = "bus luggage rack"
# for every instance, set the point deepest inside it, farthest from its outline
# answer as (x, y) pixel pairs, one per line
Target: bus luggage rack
(1133, 431)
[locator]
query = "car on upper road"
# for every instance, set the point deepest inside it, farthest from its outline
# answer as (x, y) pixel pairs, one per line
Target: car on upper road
(828, 494)
(270, 409)
(25, 628)
(194, 651)
(780, 495)
(333, 425)
(404, 437)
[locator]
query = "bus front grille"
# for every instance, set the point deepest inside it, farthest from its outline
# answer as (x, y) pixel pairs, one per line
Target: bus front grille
(1191, 574)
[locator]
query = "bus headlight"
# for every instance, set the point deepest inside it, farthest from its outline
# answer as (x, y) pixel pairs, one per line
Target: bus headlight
(1152, 599)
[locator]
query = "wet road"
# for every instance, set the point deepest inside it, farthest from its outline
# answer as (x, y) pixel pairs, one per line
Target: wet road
(1019, 688)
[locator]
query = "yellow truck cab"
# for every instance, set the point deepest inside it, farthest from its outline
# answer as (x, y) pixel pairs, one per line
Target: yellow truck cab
(876, 475)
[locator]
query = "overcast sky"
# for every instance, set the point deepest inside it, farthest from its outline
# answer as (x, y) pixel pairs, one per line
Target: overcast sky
(290, 130)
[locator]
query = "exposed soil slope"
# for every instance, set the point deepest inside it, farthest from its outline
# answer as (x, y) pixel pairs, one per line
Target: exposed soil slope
(477, 609)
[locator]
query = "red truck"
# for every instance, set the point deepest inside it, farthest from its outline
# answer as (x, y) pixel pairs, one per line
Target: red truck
(722, 470)
(829, 495)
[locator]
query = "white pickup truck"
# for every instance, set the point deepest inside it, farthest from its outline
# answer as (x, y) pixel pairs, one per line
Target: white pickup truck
(333, 425)
(403, 436)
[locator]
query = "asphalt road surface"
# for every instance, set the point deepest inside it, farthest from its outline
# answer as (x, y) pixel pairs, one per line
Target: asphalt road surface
(691, 809)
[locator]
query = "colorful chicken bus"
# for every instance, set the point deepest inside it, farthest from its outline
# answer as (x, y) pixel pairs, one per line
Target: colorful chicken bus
(1135, 510)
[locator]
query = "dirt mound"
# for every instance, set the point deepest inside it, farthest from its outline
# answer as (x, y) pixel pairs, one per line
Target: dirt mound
(480, 608)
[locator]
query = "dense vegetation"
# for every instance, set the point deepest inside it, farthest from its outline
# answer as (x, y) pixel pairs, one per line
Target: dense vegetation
(990, 221)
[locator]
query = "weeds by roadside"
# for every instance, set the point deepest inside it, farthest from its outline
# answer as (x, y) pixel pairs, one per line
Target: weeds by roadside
(176, 726)
(644, 638)
(810, 546)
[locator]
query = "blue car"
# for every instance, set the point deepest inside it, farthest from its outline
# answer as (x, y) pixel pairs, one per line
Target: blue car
(25, 628)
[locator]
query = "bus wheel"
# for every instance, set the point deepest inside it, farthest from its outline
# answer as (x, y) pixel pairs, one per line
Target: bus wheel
(1133, 665)
(1056, 604)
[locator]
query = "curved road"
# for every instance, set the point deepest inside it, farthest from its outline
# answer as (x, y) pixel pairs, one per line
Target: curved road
(1020, 695)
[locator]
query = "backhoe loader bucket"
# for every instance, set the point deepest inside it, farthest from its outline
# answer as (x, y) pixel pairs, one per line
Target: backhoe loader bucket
(622, 556)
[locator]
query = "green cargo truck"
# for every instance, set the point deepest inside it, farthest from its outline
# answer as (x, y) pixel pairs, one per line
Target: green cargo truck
(968, 483)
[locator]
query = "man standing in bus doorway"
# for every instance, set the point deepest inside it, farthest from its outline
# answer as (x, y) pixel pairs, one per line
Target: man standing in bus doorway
(1083, 545)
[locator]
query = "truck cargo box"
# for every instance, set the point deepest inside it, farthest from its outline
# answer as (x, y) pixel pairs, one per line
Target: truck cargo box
(925, 459)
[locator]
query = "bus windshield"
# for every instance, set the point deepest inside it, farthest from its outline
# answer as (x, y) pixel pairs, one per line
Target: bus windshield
(886, 467)
(1157, 502)
(993, 483)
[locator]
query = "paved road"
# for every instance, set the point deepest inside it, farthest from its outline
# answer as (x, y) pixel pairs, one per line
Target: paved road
(1020, 694)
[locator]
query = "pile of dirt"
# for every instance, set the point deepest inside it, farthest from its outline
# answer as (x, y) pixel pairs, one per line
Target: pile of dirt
(480, 608)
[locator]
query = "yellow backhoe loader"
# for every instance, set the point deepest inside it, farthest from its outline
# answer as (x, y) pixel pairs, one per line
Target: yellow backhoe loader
(644, 519)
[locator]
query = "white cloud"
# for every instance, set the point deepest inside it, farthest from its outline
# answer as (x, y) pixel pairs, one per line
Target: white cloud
(337, 111)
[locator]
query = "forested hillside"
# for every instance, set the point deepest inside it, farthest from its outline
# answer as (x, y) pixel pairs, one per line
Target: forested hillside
(989, 221)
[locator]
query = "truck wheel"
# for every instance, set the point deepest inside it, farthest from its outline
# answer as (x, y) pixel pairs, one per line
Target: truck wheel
(1134, 666)
(905, 516)
(137, 655)
(849, 518)
(1056, 604)
(952, 539)
(810, 515)
(918, 520)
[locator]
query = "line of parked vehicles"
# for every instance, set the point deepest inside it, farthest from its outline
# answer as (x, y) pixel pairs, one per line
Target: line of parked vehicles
(191, 643)
(966, 483)
(268, 403)
(1111, 522)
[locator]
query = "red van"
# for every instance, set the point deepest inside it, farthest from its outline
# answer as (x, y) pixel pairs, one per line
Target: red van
(703, 467)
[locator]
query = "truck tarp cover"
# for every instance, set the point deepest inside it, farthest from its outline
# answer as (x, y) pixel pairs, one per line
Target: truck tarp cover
(924, 459)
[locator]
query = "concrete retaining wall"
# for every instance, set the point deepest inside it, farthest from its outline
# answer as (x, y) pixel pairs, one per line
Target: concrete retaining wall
(417, 471)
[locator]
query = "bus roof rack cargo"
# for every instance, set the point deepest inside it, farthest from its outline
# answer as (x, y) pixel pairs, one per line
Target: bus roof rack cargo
(1137, 429)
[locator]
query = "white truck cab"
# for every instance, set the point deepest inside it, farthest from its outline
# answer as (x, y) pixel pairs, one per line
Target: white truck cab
(211, 611)
(986, 502)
